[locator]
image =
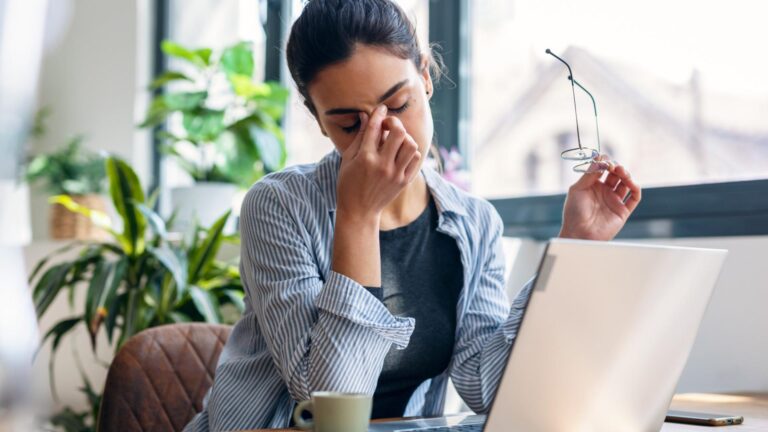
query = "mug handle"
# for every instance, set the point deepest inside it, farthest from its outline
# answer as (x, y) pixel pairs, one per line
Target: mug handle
(300, 422)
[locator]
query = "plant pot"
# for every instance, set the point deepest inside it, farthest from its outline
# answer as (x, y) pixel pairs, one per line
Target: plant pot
(204, 201)
(67, 225)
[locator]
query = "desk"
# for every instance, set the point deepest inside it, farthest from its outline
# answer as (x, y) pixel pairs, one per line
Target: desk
(753, 406)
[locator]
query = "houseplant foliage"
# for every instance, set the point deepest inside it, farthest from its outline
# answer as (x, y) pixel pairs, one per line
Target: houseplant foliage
(74, 171)
(139, 279)
(229, 124)
(71, 170)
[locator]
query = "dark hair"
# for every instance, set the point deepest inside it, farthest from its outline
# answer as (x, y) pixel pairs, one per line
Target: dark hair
(327, 31)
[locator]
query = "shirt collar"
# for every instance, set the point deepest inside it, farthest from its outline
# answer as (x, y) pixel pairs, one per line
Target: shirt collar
(447, 197)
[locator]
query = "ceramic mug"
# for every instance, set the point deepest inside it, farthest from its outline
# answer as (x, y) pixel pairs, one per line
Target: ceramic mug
(335, 412)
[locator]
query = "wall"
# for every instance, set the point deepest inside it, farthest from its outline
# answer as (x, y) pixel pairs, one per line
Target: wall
(93, 78)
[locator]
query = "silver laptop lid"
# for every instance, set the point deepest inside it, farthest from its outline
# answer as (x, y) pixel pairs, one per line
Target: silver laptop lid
(605, 337)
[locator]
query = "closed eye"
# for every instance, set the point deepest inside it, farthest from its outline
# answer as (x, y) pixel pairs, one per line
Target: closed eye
(356, 126)
(353, 128)
(400, 109)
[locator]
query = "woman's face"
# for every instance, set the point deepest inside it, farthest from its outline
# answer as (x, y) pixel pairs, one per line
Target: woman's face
(369, 78)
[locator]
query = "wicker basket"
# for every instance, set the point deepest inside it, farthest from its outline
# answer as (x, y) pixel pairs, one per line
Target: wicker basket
(66, 225)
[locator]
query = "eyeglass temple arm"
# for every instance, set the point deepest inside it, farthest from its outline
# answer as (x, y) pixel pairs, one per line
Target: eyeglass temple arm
(575, 111)
(570, 73)
(594, 106)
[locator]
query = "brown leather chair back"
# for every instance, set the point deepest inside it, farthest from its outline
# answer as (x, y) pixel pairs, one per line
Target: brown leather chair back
(159, 377)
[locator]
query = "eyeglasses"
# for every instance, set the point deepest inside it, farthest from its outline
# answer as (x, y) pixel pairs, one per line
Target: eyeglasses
(587, 155)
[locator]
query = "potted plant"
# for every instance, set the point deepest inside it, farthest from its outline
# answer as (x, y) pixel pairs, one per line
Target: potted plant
(75, 172)
(138, 279)
(223, 127)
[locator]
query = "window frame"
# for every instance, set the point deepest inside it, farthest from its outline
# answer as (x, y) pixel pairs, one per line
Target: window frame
(698, 210)
(732, 208)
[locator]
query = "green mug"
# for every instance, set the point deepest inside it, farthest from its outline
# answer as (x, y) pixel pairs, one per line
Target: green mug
(335, 412)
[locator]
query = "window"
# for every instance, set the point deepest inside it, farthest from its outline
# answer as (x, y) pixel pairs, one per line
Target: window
(212, 24)
(679, 87)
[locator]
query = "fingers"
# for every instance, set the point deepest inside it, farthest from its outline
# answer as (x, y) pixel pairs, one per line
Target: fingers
(627, 190)
(398, 147)
(589, 178)
(372, 134)
(612, 180)
(409, 150)
(394, 139)
(635, 193)
(615, 203)
(413, 167)
(621, 191)
(354, 148)
(397, 152)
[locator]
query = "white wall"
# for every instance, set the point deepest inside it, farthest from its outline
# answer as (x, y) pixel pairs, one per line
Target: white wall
(93, 78)
(731, 350)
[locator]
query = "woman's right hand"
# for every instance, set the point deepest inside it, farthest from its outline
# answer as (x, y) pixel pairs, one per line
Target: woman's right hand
(374, 171)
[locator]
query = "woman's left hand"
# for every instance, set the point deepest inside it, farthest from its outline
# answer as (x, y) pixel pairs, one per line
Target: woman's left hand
(595, 209)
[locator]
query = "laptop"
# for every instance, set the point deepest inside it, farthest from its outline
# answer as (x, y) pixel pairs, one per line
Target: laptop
(604, 338)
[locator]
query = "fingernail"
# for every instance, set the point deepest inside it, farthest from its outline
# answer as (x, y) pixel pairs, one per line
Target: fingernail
(382, 109)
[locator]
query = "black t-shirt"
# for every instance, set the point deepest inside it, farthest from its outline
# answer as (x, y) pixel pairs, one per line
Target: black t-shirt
(421, 276)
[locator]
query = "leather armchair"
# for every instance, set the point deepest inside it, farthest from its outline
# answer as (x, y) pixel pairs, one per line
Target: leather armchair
(159, 377)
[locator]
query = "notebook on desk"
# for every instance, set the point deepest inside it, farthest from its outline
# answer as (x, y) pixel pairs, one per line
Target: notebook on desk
(603, 341)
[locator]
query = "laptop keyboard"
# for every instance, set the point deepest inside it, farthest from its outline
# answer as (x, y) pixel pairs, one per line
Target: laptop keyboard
(477, 427)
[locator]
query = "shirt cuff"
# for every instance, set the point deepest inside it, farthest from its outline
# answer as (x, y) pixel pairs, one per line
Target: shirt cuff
(348, 299)
(376, 291)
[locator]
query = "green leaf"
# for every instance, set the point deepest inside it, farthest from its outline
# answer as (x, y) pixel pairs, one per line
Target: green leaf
(72, 169)
(152, 198)
(131, 315)
(203, 124)
(115, 306)
(38, 167)
(180, 317)
(167, 77)
(70, 420)
(155, 221)
(184, 101)
(203, 256)
(204, 54)
(270, 148)
(236, 297)
(206, 304)
(126, 193)
(174, 262)
(97, 217)
(95, 288)
(157, 113)
(240, 160)
(49, 285)
(278, 93)
(199, 58)
(47, 258)
(243, 85)
(114, 276)
(238, 60)
(59, 330)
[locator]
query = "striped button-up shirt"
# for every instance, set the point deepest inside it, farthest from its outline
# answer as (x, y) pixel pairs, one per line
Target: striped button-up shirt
(307, 328)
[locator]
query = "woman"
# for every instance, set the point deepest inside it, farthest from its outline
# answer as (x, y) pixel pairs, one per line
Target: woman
(366, 272)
